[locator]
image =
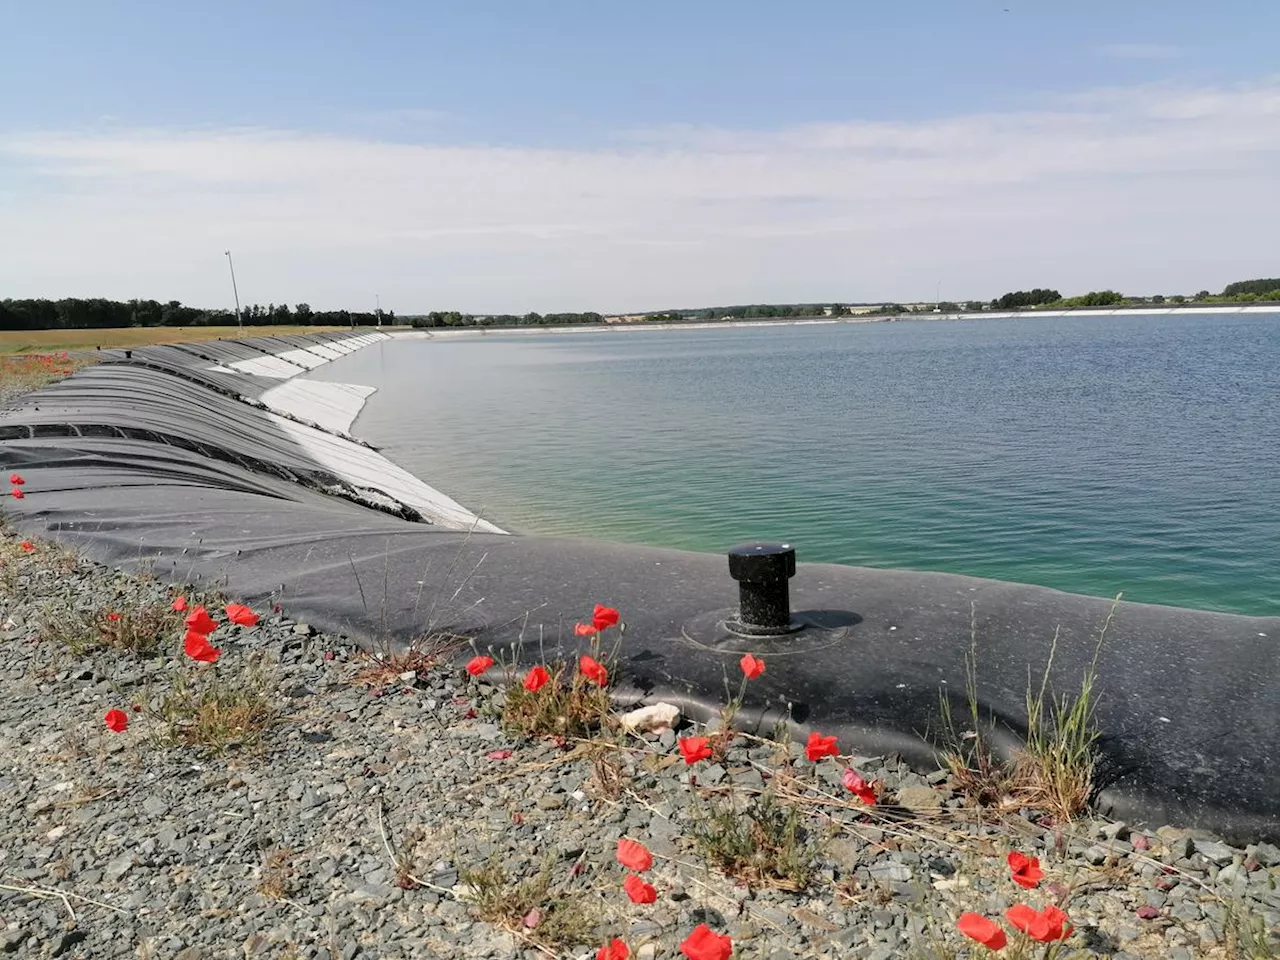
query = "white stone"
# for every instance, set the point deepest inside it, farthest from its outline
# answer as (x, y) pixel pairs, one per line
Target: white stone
(657, 716)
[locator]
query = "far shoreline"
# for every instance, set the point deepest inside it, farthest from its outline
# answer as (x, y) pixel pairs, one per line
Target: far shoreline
(474, 330)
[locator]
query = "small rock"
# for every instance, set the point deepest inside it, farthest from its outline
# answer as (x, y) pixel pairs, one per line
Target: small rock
(1115, 831)
(890, 871)
(1095, 855)
(1232, 873)
(919, 798)
(118, 867)
(1214, 850)
(655, 717)
(65, 941)
(1267, 854)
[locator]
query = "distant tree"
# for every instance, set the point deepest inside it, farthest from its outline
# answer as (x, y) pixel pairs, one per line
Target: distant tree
(946, 306)
(1094, 298)
(302, 313)
(1203, 295)
(1026, 298)
(1178, 298)
(1157, 299)
(1258, 287)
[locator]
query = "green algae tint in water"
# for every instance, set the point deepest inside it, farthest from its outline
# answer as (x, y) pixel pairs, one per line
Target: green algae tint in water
(1091, 454)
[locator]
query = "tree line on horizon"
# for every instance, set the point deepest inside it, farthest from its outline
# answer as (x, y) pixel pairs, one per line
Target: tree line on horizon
(72, 313)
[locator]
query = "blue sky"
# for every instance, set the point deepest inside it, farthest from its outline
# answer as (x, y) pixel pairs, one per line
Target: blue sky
(534, 154)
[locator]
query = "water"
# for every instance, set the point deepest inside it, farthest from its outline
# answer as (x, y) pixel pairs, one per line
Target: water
(1091, 454)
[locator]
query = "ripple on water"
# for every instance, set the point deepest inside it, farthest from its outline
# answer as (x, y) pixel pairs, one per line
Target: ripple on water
(1091, 454)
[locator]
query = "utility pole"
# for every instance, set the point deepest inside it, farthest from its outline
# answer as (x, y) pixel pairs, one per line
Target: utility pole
(239, 322)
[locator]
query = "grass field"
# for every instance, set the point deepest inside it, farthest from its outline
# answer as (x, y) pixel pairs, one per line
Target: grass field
(46, 341)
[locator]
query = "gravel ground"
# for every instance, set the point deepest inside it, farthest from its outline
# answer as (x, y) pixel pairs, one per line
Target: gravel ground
(356, 826)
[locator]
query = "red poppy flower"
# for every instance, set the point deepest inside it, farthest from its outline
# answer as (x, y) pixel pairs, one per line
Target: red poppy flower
(113, 617)
(117, 721)
(638, 891)
(584, 630)
(617, 950)
(27, 546)
(602, 618)
(16, 480)
(986, 932)
(751, 666)
(820, 746)
(694, 749)
(859, 787)
(200, 621)
(18, 494)
(705, 944)
(593, 671)
(180, 605)
(478, 665)
(634, 856)
(536, 679)
(239, 613)
(1026, 870)
(197, 647)
(1044, 925)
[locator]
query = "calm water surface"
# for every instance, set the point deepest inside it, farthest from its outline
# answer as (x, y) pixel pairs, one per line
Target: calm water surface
(1091, 454)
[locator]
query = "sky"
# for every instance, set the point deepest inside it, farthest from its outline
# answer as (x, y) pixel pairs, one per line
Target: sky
(558, 155)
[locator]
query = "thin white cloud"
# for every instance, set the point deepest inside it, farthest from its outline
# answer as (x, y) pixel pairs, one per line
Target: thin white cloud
(1152, 188)
(1139, 51)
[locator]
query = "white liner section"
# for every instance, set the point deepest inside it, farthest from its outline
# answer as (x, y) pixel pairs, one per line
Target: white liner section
(303, 358)
(363, 467)
(272, 367)
(333, 406)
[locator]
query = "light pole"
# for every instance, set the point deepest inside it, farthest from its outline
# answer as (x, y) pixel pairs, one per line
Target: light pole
(239, 322)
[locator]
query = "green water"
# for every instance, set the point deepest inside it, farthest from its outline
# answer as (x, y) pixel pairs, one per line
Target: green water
(1091, 454)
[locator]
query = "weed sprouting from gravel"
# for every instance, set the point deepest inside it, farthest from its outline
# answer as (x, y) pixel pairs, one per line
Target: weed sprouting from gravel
(765, 844)
(277, 873)
(533, 908)
(1245, 935)
(572, 707)
(385, 667)
(1054, 769)
(139, 630)
(217, 712)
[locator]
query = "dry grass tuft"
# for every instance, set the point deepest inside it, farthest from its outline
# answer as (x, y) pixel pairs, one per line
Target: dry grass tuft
(572, 707)
(1054, 769)
(142, 631)
(609, 776)
(219, 713)
(277, 874)
(533, 909)
(765, 844)
(1246, 937)
(382, 669)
